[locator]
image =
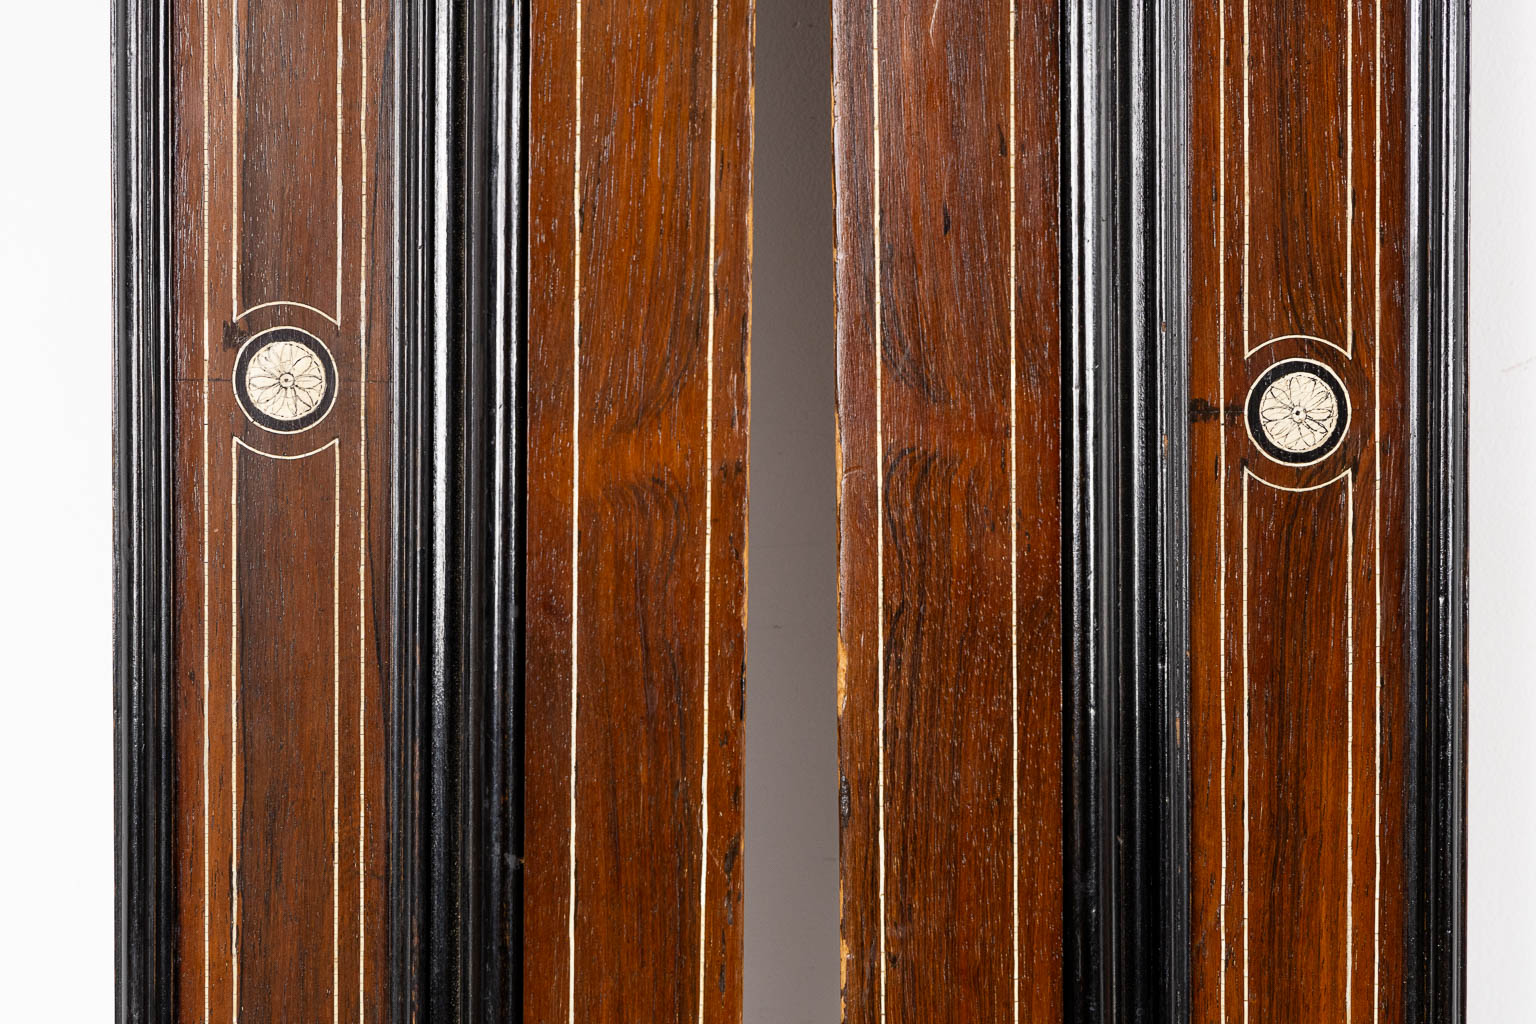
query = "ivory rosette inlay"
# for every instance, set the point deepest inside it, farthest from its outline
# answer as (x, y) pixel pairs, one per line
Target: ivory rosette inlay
(285, 380)
(1297, 411)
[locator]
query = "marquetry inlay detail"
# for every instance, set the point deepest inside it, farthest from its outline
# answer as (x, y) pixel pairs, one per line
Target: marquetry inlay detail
(285, 380)
(282, 613)
(1291, 680)
(1297, 412)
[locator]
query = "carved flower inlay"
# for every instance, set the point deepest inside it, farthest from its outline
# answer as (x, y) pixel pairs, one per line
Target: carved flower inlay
(285, 379)
(1298, 412)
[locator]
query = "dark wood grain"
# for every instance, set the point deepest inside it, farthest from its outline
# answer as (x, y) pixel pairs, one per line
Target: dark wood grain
(952, 871)
(1298, 574)
(286, 126)
(637, 510)
(282, 195)
(285, 642)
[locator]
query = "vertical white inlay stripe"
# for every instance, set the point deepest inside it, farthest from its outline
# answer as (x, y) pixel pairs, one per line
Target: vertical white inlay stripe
(336, 608)
(234, 165)
(234, 733)
(207, 561)
(709, 492)
(1013, 477)
(1247, 217)
(235, 444)
(237, 314)
(570, 937)
(1349, 761)
(1349, 583)
(1349, 616)
(1376, 512)
(336, 749)
(1349, 217)
(362, 519)
(1221, 471)
(340, 38)
(874, 50)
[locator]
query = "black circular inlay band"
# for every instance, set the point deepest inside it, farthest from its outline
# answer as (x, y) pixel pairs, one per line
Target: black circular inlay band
(1297, 412)
(285, 380)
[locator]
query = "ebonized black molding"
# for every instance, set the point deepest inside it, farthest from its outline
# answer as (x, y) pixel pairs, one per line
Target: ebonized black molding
(1089, 531)
(1437, 302)
(1124, 214)
(1151, 750)
(455, 731)
(141, 511)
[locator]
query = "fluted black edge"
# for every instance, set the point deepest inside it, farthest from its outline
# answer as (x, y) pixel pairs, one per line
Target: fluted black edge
(1124, 215)
(454, 735)
(1436, 835)
(141, 514)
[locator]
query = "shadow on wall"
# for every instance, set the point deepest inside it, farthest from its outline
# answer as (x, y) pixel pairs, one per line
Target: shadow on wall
(791, 771)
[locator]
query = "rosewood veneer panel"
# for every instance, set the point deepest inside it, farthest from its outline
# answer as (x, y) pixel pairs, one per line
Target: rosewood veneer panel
(280, 370)
(949, 407)
(639, 257)
(1299, 490)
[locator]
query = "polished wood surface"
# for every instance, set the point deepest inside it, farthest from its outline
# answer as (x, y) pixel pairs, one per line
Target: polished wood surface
(1299, 569)
(282, 195)
(949, 410)
(640, 154)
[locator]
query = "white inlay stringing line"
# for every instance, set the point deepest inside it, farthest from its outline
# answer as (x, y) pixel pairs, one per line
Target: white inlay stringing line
(234, 165)
(1301, 337)
(570, 937)
(287, 302)
(1349, 603)
(874, 49)
(1221, 469)
(1247, 218)
(207, 562)
(362, 504)
(336, 611)
(340, 45)
(709, 491)
(362, 522)
(1013, 477)
(1349, 874)
(1349, 235)
(234, 732)
(1376, 512)
(1347, 350)
(336, 749)
(235, 443)
(1349, 575)
(234, 131)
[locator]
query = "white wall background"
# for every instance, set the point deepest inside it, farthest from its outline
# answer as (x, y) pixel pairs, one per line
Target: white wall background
(55, 515)
(55, 542)
(1501, 942)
